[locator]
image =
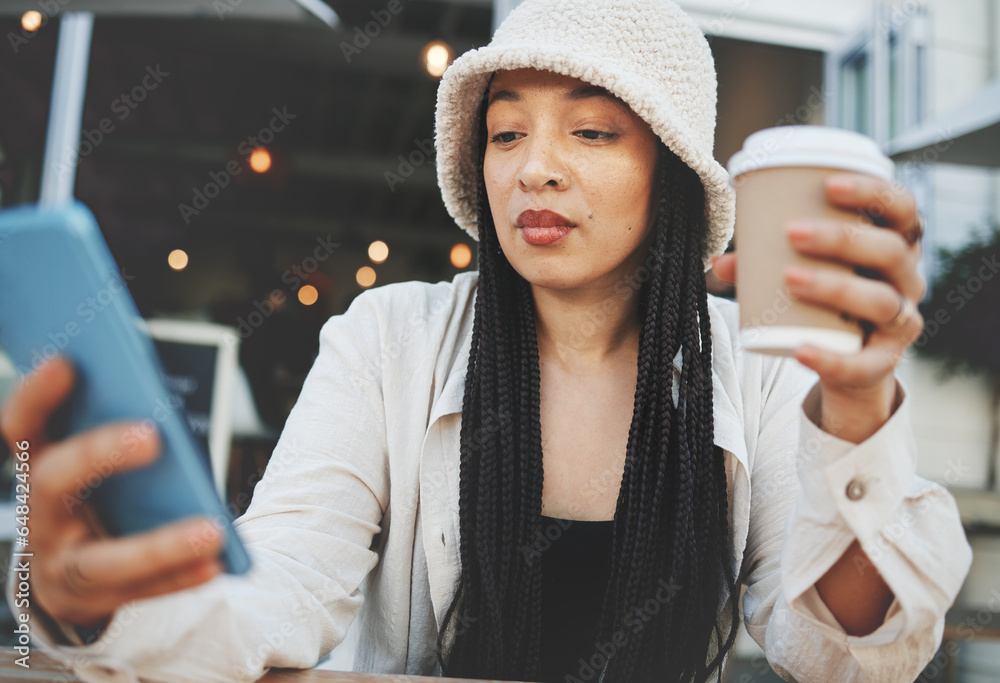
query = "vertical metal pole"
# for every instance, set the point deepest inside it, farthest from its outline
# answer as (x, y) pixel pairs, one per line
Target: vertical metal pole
(501, 8)
(69, 85)
(321, 11)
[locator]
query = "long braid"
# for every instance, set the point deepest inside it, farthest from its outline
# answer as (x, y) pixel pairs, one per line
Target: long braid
(529, 611)
(671, 534)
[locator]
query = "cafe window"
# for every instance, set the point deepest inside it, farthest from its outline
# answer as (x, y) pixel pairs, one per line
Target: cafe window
(877, 78)
(855, 103)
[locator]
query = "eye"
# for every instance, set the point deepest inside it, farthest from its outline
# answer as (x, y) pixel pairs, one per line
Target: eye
(504, 137)
(595, 135)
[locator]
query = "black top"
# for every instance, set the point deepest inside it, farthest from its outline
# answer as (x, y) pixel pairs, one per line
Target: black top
(575, 571)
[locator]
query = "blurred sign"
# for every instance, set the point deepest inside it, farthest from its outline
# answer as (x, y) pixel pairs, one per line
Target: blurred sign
(190, 370)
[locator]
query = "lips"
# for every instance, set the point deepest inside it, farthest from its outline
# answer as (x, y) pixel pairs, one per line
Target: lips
(541, 228)
(543, 219)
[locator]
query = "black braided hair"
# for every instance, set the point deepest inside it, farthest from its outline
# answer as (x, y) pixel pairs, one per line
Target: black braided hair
(671, 527)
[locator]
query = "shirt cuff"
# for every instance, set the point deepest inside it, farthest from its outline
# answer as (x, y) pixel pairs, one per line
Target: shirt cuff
(81, 652)
(862, 484)
(810, 606)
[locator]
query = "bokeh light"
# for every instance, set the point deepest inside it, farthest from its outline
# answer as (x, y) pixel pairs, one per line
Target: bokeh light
(308, 295)
(31, 20)
(260, 160)
(177, 259)
(436, 56)
(378, 251)
(365, 276)
(461, 255)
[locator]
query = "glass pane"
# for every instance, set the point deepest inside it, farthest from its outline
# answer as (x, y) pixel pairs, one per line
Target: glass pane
(854, 114)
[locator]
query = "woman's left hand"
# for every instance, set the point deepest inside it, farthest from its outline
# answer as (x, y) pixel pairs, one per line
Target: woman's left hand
(858, 390)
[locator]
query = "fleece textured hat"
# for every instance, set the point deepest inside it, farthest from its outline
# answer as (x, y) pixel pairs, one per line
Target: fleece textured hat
(648, 53)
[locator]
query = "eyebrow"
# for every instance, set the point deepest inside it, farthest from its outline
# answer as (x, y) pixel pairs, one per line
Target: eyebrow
(587, 91)
(582, 93)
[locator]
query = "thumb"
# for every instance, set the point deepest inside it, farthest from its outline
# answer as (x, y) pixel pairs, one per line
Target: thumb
(724, 267)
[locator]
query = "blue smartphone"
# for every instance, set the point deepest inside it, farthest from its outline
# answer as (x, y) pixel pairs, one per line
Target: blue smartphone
(62, 293)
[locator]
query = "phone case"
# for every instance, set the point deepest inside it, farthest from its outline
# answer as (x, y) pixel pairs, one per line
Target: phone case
(61, 292)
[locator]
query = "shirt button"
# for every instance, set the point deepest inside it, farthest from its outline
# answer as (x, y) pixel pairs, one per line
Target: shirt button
(855, 489)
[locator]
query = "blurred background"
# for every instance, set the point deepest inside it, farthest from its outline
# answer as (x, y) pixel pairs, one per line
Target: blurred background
(255, 164)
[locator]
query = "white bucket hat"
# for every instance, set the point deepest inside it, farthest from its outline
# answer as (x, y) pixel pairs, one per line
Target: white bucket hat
(648, 53)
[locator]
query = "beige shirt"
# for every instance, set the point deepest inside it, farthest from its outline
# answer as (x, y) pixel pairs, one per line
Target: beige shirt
(357, 517)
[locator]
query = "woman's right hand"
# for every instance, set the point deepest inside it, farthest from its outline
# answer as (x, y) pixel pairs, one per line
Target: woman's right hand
(79, 575)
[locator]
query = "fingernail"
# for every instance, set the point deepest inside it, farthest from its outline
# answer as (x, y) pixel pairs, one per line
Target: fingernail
(209, 569)
(141, 443)
(842, 183)
(806, 354)
(151, 447)
(798, 276)
(800, 229)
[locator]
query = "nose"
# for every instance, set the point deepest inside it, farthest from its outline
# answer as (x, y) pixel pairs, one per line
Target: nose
(542, 166)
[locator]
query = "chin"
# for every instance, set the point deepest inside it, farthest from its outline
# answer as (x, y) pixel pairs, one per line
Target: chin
(549, 277)
(549, 267)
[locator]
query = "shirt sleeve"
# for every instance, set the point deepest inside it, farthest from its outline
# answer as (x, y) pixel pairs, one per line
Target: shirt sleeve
(309, 532)
(812, 495)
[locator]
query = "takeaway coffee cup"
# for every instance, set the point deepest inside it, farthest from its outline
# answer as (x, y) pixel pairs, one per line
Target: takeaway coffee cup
(779, 176)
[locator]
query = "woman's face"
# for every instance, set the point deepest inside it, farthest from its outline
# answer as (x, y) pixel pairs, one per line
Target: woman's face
(569, 174)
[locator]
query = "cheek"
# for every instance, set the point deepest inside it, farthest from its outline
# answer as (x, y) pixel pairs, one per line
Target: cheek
(499, 182)
(498, 195)
(624, 197)
(500, 170)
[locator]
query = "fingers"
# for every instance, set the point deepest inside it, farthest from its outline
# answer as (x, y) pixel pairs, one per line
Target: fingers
(144, 559)
(35, 397)
(189, 577)
(86, 582)
(880, 199)
(857, 245)
(72, 468)
(863, 369)
(861, 298)
(98, 606)
(724, 267)
(81, 577)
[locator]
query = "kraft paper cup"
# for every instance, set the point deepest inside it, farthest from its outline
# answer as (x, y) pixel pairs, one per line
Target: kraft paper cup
(779, 176)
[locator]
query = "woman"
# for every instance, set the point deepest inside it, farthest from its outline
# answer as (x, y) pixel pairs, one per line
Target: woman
(577, 149)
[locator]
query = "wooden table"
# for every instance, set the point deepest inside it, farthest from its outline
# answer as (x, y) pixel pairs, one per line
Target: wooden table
(44, 669)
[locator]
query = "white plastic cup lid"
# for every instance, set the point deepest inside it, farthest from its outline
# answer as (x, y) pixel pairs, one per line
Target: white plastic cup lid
(811, 146)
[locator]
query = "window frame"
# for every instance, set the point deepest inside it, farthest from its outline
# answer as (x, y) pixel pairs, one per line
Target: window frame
(908, 30)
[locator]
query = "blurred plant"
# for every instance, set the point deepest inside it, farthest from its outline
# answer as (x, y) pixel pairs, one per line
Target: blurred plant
(964, 301)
